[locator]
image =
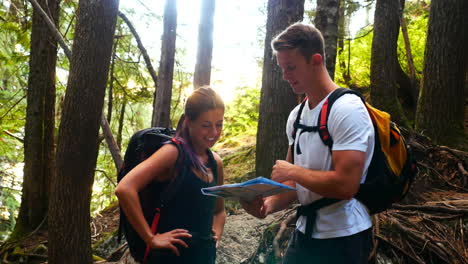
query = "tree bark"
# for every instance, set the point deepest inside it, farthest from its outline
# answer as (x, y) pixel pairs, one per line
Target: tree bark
(441, 106)
(326, 20)
(202, 73)
(40, 123)
(69, 208)
(277, 98)
(163, 93)
(384, 60)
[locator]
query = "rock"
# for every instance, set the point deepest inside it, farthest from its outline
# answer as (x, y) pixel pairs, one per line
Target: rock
(241, 237)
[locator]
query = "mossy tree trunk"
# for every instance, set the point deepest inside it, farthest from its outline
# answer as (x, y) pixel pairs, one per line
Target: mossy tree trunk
(384, 60)
(40, 123)
(277, 98)
(70, 196)
(441, 106)
(202, 74)
(163, 93)
(326, 20)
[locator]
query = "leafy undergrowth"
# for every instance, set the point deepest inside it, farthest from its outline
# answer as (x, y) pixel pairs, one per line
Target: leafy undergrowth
(238, 154)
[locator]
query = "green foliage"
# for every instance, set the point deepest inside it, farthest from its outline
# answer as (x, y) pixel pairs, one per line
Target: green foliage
(242, 113)
(359, 63)
(10, 195)
(359, 49)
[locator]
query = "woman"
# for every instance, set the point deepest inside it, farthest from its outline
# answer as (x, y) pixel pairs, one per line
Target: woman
(191, 224)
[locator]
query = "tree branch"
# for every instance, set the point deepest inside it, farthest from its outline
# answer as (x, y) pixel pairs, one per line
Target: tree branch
(113, 148)
(52, 27)
(141, 47)
(13, 135)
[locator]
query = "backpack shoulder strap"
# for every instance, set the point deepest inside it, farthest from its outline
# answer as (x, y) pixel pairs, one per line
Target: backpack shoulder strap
(298, 117)
(181, 165)
(213, 165)
(296, 126)
(322, 122)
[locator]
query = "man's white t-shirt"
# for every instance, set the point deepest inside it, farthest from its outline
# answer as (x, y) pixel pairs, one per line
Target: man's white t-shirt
(351, 128)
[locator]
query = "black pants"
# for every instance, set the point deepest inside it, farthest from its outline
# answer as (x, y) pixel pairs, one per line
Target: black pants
(354, 249)
(200, 251)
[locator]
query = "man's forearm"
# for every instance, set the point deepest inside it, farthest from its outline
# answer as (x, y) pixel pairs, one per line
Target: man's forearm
(280, 201)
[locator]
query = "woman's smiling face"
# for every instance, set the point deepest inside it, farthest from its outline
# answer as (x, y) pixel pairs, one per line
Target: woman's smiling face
(206, 129)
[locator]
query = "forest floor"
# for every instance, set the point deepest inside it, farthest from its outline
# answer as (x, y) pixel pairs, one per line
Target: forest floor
(429, 226)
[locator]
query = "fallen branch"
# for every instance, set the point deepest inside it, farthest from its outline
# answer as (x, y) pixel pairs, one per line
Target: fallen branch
(439, 209)
(415, 258)
(280, 235)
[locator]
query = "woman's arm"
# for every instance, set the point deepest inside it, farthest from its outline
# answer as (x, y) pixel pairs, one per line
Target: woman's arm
(219, 217)
(158, 167)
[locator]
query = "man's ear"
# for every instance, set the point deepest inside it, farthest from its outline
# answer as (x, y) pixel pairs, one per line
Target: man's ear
(317, 59)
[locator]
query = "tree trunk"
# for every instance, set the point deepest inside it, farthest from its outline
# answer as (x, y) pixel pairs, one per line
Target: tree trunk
(441, 106)
(110, 92)
(163, 94)
(384, 60)
(326, 20)
(202, 73)
(69, 208)
(40, 123)
(121, 122)
(277, 98)
(414, 91)
(343, 31)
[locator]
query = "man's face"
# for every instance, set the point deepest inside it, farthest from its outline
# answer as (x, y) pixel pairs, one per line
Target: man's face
(296, 70)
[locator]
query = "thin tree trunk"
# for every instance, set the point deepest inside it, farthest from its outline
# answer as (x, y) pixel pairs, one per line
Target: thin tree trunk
(69, 208)
(121, 123)
(202, 73)
(277, 98)
(113, 146)
(39, 128)
(441, 106)
(110, 95)
(342, 33)
(409, 58)
(326, 20)
(163, 94)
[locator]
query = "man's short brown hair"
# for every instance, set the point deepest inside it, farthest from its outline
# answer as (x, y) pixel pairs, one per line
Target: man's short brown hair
(306, 38)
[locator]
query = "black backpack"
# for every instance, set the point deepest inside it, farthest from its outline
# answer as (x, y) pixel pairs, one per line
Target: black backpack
(155, 195)
(391, 171)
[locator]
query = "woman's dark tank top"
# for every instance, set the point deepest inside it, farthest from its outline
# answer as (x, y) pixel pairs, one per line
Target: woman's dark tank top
(190, 209)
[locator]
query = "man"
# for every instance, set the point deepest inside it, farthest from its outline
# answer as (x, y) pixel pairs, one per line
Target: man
(340, 232)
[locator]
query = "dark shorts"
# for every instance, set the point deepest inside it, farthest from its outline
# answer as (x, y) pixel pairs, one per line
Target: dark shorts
(354, 249)
(200, 251)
